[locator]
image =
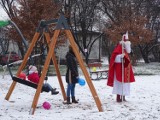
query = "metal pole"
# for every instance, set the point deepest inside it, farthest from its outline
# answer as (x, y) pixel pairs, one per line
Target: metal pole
(20, 33)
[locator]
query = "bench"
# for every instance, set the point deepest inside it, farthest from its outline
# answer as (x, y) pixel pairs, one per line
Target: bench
(96, 72)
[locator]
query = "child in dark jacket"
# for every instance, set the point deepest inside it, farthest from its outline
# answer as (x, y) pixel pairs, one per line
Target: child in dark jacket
(34, 77)
(71, 75)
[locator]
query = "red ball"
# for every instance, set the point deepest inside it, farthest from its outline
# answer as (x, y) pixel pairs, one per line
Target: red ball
(22, 75)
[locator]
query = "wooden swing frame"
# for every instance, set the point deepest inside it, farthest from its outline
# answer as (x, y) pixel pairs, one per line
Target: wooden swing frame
(61, 23)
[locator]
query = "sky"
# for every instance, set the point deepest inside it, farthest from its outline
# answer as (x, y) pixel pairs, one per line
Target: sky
(142, 104)
(3, 15)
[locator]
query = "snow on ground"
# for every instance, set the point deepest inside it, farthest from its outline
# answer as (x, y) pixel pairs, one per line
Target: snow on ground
(142, 104)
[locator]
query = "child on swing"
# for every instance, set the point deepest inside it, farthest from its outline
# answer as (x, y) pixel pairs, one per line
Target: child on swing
(34, 77)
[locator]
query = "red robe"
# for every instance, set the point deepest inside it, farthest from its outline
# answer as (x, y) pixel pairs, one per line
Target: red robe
(117, 67)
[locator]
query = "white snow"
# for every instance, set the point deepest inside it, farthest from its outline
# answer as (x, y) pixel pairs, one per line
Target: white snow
(142, 104)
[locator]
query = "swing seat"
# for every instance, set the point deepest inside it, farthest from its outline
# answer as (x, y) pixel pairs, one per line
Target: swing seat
(25, 82)
(29, 83)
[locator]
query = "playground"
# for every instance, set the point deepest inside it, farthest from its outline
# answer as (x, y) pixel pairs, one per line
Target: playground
(41, 50)
(50, 41)
(95, 98)
(142, 104)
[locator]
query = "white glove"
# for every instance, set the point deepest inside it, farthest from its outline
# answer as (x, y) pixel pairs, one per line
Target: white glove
(122, 42)
(122, 55)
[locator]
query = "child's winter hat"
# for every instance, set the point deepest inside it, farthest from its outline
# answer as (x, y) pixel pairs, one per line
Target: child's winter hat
(32, 69)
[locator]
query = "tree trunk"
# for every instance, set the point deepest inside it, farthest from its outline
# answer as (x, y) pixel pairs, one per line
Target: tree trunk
(21, 49)
(144, 54)
(145, 58)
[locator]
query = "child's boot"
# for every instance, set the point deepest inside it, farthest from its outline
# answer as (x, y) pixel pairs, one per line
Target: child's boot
(54, 92)
(68, 101)
(74, 100)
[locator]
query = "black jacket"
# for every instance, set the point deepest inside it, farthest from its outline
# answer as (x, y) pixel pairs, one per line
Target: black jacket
(72, 68)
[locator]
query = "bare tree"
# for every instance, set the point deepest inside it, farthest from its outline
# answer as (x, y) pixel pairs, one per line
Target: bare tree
(4, 41)
(27, 14)
(133, 16)
(81, 16)
(8, 6)
(152, 11)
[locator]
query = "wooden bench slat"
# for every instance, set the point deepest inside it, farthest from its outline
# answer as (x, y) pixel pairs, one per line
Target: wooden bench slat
(99, 73)
(94, 65)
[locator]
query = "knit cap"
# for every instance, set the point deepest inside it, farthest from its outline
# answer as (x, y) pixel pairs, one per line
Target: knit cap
(32, 69)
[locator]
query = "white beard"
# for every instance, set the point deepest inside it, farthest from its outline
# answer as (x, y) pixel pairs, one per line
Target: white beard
(127, 46)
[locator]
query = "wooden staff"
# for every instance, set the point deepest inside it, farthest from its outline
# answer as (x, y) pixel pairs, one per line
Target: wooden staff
(122, 65)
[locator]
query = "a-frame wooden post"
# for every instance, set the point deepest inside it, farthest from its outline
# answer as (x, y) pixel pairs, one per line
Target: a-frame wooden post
(45, 69)
(35, 38)
(47, 36)
(63, 24)
(84, 70)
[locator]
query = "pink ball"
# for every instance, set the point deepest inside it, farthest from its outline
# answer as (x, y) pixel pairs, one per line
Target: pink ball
(46, 105)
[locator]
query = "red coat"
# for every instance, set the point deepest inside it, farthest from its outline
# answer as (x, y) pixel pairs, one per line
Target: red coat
(34, 77)
(117, 67)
